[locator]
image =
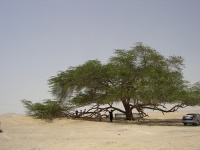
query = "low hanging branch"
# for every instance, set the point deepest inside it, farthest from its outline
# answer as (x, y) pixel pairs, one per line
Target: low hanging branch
(173, 109)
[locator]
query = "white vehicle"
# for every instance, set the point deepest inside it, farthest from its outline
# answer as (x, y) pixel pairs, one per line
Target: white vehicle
(192, 118)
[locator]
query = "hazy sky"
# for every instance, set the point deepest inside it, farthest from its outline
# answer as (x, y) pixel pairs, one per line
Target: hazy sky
(38, 38)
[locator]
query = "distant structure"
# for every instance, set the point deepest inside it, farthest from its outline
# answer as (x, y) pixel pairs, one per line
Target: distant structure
(0, 128)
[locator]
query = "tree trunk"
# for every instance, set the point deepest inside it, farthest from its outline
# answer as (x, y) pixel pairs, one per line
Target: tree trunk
(128, 111)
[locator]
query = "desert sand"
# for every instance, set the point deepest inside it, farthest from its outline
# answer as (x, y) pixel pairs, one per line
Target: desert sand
(157, 132)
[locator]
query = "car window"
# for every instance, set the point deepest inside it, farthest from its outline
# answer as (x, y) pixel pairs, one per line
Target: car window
(194, 115)
(189, 115)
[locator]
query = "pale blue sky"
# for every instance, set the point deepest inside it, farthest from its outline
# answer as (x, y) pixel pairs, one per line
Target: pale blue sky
(38, 38)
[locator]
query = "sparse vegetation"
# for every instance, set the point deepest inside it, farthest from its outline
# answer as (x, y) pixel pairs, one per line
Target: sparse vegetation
(47, 110)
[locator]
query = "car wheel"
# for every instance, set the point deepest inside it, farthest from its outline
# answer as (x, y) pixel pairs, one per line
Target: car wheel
(185, 124)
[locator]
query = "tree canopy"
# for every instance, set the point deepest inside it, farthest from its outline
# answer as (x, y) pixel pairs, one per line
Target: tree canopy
(140, 78)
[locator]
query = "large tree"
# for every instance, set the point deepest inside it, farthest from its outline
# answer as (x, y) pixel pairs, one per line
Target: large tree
(140, 78)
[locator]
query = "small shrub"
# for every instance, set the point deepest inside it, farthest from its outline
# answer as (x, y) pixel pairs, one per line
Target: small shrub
(47, 110)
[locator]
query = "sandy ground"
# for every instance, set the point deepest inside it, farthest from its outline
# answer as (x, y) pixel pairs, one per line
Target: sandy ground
(158, 132)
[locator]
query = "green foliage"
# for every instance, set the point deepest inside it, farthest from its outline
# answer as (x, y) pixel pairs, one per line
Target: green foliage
(140, 78)
(194, 95)
(47, 110)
